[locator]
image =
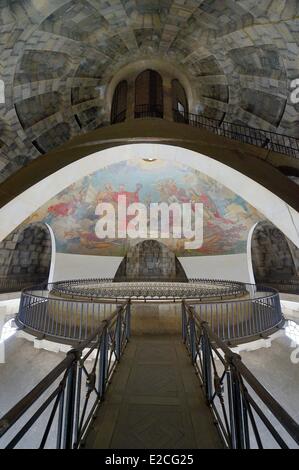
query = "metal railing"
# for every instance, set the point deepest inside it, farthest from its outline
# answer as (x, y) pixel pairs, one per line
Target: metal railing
(246, 414)
(290, 286)
(66, 320)
(134, 288)
(69, 395)
(148, 111)
(248, 135)
(71, 311)
(240, 319)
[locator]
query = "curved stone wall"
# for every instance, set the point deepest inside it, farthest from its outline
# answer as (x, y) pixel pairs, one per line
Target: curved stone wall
(274, 257)
(25, 256)
(58, 59)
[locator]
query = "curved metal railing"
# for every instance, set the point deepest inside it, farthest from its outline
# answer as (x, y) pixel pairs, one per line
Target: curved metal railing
(242, 319)
(246, 414)
(63, 320)
(150, 290)
(247, 135)
(288, 286)
(69, 396)
(69, 318)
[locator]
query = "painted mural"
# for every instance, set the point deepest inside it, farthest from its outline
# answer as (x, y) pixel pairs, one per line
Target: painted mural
(71, 214)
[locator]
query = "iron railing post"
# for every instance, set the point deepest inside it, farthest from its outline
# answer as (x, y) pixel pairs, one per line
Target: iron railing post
(20, 314)
(192, 337)
(60, 421)
(207, 365)
(184, 323)
(103, 362)
(69, 412)
(118, 328)
(128, 321)
(236, 408)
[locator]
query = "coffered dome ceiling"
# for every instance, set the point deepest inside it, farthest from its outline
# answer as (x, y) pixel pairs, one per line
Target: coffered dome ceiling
(58, 56)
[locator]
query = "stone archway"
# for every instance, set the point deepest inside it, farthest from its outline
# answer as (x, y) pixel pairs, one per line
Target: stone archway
(25, 257)
(150, 260)
(275, 258)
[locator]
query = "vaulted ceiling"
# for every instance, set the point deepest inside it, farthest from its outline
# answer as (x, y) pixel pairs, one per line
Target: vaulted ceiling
(57, 57)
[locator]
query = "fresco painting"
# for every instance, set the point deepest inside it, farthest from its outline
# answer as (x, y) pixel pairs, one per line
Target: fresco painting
(71, 213)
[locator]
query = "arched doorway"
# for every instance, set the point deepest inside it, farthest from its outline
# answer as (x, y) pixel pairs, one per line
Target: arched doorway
(274, 257)
(149, 94)
(26, 256)
(119, 103)
(150, 260)
(179, 101)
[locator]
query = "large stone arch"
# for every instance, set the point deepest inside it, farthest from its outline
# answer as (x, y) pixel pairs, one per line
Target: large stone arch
(246, 159)
(273, 207)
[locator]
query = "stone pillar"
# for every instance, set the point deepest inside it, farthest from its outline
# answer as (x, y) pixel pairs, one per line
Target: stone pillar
(167, 98)
(131, 99)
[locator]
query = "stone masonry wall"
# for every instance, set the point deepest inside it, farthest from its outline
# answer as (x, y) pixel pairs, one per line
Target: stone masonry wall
(26, 253)
(150, 260)
(274, 257)
(239, 56)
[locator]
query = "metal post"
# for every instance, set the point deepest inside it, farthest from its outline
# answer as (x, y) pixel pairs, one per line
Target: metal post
(207, 366)
(128, 321)
(118, 335)
(70, 406)
(103, 363)
(192, 338)
(184, 326)
(238, 437)
(20, 314)
(60, 421)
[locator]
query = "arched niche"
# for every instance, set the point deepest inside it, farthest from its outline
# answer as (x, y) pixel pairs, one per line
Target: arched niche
(149, 94)
(26, 257)
(179, 101)
(119, 103)
(150, 260)
(274, 257)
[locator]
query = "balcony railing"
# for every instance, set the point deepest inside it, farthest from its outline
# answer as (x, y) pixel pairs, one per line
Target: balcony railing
(288, 286)
(247, 135)
(70, 313)
(149, 111)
